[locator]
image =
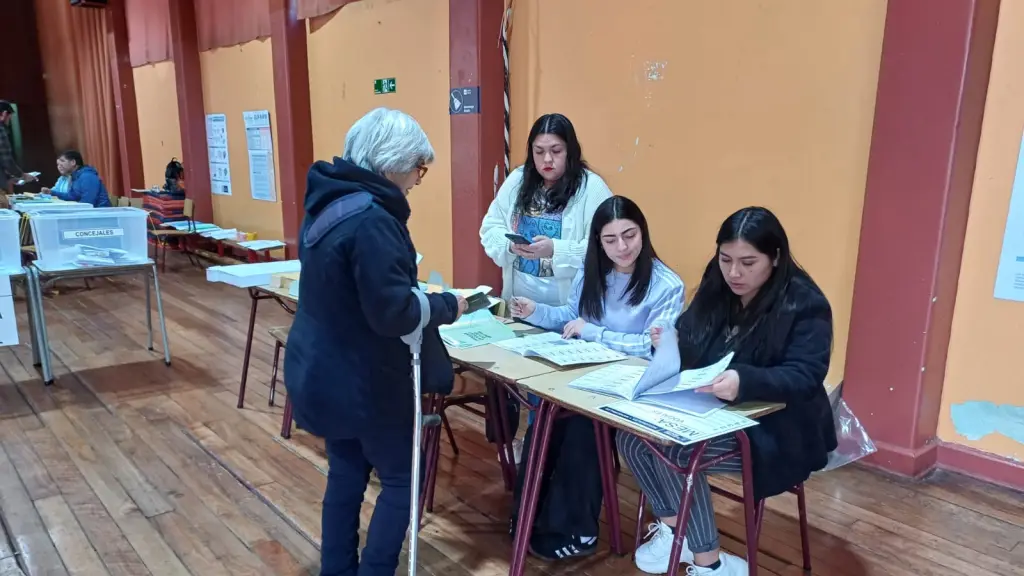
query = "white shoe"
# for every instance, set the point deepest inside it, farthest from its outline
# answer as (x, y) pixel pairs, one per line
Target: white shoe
(517, 451)
(652, 556)
(731, 566)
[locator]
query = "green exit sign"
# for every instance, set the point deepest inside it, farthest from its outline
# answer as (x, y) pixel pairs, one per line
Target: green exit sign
(384, 86)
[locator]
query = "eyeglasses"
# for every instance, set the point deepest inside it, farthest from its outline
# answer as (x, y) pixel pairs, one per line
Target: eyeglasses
(422, 170)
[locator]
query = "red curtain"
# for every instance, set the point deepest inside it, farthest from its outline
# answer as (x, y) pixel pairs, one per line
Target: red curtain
(80, 99)
(149, 31)
(222, 23)
(100, 146)
(314, 8)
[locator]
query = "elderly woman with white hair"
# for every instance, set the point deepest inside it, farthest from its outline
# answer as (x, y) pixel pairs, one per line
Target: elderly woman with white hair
(346, 368)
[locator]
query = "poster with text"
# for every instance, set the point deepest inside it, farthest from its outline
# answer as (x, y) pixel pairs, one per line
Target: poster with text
(8, 319)
(261, 155)
(217, 148)
(1010, 275)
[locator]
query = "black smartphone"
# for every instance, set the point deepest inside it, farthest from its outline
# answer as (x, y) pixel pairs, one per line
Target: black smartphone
(518, 239)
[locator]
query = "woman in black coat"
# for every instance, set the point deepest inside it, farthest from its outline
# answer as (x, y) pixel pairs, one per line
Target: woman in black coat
(753, 300)
(347, 371)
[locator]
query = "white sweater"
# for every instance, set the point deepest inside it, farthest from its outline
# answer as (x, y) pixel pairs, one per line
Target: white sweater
(570, 250)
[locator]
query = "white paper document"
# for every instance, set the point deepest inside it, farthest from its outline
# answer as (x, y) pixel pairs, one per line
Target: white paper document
(260, 142)
(476, 329)
(681, 428)
(553, 348)
(8, 319)
(261, 244)
(217, 150)
(1009, 284)
(661, 378)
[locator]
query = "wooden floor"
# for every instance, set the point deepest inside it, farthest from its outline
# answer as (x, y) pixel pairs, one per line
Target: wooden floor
(129, 467)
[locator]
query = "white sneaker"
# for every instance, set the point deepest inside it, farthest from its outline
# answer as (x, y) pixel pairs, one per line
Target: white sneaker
(652, 556)
(731, 566)
(517, 451)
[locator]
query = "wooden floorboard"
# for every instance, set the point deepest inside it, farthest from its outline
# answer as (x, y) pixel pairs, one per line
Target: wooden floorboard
(129, 467)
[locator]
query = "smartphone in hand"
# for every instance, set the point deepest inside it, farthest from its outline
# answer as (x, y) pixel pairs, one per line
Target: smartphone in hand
(518, 239)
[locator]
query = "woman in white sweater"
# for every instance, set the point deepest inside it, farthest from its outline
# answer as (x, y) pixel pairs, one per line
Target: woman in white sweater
(549, 201)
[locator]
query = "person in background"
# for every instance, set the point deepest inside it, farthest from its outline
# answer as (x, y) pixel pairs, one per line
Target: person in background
(549, 201)
(63, 184)
(623, 292)
(9, 169)
(756, 301)
(347, 371)
(174, 177)
(86, 185)
(167, 204)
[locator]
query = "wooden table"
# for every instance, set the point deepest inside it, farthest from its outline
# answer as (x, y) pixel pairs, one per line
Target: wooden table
(556, 396)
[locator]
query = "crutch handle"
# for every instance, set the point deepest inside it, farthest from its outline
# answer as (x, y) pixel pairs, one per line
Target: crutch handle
(431, 420)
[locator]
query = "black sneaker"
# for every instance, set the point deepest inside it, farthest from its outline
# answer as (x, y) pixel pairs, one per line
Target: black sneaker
(553, 547)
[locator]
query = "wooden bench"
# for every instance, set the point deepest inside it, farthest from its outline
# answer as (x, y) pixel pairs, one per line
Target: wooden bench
(280, 336)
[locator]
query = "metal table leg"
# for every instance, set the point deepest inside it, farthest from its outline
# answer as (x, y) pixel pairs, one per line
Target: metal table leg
(160, 312)
(33, 331)
(149, 312)
(44, 340)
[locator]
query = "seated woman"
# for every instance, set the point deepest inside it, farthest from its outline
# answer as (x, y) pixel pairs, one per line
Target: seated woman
(622, 293)
(86, 184)
(756, 301)
(167, 204)
(63, 183)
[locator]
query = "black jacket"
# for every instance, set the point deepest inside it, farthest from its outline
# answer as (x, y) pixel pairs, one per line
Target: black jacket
(346, 368)
(788, 445)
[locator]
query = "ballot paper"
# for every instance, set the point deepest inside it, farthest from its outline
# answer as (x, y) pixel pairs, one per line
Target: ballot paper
(679, 427)
(475, 329)
(660, 376)
(561, 352)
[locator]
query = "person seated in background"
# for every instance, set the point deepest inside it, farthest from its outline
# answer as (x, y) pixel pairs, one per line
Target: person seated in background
(86, 185)
(63, 184)
(622, 295)
(167, 204)
(754, 300)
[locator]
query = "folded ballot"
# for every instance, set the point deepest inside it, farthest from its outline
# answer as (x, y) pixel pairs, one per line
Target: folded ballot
(660, 383)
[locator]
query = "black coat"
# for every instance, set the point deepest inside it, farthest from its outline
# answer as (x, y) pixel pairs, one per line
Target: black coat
(788, 445)
(346, 368)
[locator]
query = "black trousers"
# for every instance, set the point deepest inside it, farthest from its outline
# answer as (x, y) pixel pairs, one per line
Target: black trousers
(570, 497)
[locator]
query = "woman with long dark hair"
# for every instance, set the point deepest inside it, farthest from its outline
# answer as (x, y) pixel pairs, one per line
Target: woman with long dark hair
(547, 205)
(756, 301)
(549, 201)
(623, 293)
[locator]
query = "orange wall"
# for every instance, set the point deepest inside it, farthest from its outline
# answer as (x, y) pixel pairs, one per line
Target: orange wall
(160, 133)
(406, 40)
(981, 368)
(696, 109)
(235, 80)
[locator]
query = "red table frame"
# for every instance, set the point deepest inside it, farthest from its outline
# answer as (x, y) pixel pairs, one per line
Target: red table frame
(548, 411)
(255, 294)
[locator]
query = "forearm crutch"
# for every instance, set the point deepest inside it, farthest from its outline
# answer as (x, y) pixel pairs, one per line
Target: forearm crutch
(415, 341)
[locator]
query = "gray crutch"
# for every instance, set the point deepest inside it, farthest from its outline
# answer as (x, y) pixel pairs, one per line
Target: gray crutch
(415, 342)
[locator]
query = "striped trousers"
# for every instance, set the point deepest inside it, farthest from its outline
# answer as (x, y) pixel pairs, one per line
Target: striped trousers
(664, 486)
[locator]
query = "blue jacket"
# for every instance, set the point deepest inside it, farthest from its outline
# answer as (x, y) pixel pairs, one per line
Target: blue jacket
(347, 371)
(87, 187)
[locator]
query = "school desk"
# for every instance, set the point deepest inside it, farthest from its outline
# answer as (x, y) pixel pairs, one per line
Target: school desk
(557, 396)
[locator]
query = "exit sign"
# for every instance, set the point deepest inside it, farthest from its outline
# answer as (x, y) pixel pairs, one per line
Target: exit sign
(384, 86)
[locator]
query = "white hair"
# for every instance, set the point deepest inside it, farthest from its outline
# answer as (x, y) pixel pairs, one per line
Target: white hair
(387, 140)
